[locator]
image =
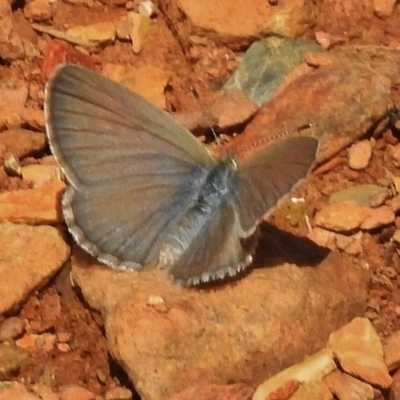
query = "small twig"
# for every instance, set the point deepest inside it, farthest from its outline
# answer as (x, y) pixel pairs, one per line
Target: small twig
(60, 35)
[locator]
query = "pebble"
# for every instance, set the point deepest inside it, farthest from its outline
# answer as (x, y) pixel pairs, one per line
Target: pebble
(75, 392)
(312, 369)
(140, 28)
(346, 387)
(58, 52)
(342, 217)
(378, 217)
(147, 8)
(38, 10)
(39, 175)
(359, 351)
(360, 154)
(395, 154)
(11, 45)
(391, 349)
(33, 206)
(118, 393)
(98, 33)
(13, 97)
(12, 328)
(383, 8)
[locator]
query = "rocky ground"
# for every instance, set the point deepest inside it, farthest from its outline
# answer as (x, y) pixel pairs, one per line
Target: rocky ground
(326, 278)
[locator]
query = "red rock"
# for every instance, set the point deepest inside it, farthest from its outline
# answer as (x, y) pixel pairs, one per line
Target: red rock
(36, 252)
(16, 390)
(38, 10)
(283, 384)
(369, 368)
(233, 108)
(236, 23)
(360, 353)
(342, 217)
(395, 154)
(395, 388)
(21, 143)
(313, 390)
(58, 52)
(118, 393)
(391, 349)
(13, 96)
(11, 46)
(99, 33)
(378, 217)
(238, 391)
(11, 328)
(345, 387)
(149, 82)
(139, 31)
(40, 175)
(360, 154)
(33, 206)
(75, 392)
(384, 8)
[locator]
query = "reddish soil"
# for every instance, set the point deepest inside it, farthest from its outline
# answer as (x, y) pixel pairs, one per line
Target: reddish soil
(59, 308)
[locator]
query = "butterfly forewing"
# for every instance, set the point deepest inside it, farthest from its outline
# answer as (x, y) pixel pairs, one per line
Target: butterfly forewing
(133, 170)
(96, 127)
(263, 179)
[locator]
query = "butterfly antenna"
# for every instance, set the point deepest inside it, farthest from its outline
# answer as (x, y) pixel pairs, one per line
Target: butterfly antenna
(277, 136)
(197, 97)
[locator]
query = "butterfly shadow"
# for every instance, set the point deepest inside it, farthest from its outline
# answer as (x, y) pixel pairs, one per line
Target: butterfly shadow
(275, 248)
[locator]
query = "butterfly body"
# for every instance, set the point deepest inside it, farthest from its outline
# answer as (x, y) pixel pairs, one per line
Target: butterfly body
(143, 191)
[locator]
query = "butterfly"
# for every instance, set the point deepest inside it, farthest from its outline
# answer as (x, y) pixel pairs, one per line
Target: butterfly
(143, 191)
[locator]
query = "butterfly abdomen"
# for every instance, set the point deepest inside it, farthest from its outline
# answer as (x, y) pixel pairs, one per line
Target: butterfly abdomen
(212, 196)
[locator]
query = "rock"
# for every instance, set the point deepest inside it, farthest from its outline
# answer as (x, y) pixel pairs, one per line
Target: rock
(40, 175)
(149, 82)
(35, 252)
(326, 40)
(140, 29)
(238, 391)
(342, 217)
(349, 244)
(361, 194)
(266, 64)
(100, 33)
(395, 388)
(394, 203)
(378, 217)
(359, 351)
(13, 96)
(236, 24)
(75, 392)
(33, 118)
(396, 237)
(38, 10)
(337, 123)
(384, 8)
(16, 390)
(201, 330)
(33, 206)
(147, 8)
(11, 360)
(391, 349)
(21, 143)
(123, 27)
(313, 390)
(395, 154)
(360, 154)
(233, 108)
(58, 52)
(345, 387)
(118, 393)
(11, 46)
(313, 368)
(11, 328)
(396, 183)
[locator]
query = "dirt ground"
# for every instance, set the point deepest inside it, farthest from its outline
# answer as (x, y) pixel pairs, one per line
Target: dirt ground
(59, 308)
